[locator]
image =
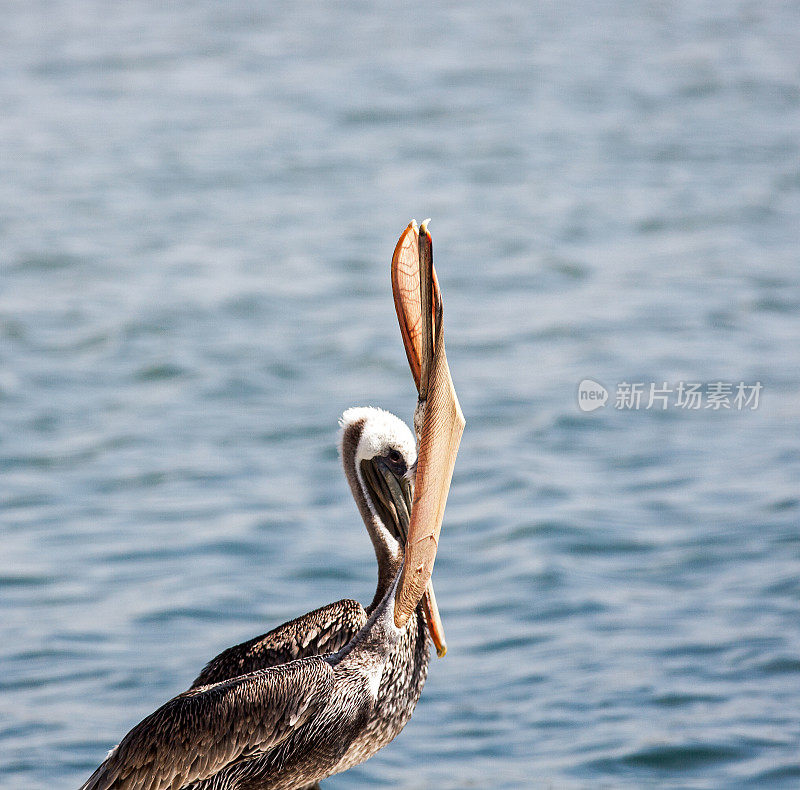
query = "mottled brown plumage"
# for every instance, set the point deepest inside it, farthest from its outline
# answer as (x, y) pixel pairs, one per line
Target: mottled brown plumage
(314, 696)
(324, 692)
(202, 730)
(325, 630)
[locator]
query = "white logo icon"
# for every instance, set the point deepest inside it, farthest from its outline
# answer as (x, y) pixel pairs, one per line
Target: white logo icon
(591, 395)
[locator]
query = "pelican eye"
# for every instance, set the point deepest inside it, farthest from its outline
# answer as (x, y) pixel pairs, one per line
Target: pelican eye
(395, 459)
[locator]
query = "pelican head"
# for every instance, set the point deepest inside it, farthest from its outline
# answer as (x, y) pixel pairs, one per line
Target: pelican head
(379, 455)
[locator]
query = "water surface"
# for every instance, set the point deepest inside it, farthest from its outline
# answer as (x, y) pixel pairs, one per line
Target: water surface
(198, 202)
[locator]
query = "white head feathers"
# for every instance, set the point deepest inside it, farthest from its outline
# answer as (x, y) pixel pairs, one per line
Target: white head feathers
(382, 430)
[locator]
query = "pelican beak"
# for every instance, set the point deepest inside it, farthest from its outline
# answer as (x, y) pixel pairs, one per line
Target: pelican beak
(407, 293)
(438, 419)
(434, 621)
(394, 496)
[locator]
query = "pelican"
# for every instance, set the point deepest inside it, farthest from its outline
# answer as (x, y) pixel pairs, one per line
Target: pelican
(324, 692)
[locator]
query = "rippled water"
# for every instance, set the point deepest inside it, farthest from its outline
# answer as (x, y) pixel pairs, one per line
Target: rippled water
(198, 202)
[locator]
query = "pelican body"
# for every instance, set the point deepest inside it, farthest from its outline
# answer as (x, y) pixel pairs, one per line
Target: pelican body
(316, 695)
(326, 691)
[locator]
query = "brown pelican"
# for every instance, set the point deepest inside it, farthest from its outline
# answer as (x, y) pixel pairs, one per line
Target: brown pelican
(324, 692)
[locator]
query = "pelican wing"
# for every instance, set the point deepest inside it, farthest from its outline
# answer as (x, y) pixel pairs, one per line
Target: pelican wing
(442, 419)
(198, 733)
(325, 630)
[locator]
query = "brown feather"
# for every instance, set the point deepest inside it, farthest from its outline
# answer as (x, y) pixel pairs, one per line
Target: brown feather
(201, 731)
(324, 630)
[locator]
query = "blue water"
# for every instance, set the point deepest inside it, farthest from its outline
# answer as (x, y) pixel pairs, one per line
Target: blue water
(198, 203)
